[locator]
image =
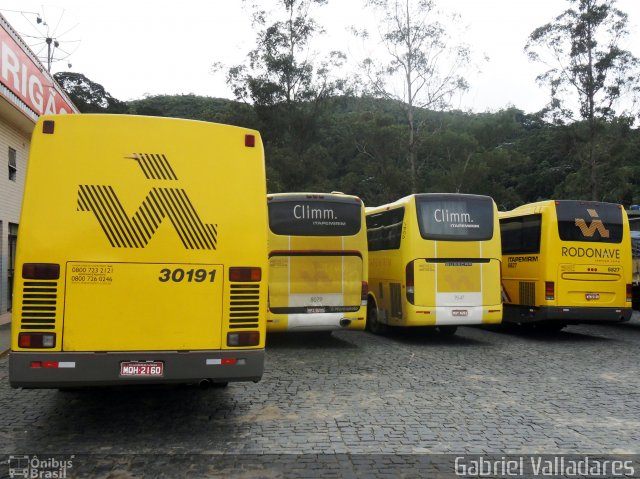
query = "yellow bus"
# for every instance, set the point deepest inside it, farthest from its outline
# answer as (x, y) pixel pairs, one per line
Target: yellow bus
(434, 260)
(566, 262)
(317, 262)
(142, 254)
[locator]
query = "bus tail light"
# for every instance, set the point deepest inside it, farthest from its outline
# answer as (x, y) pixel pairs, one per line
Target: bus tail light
(245, 275)
(409, 282)
(36, 340)
(365, 291)
(245, 338)
(45, 364)
(549, 290)
(40, 271)
(629, 293)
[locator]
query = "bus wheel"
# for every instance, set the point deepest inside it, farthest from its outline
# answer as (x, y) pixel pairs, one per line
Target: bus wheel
(447, 330)
(373, 325)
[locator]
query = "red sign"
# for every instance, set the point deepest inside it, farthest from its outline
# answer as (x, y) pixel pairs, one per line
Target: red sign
(25, 79)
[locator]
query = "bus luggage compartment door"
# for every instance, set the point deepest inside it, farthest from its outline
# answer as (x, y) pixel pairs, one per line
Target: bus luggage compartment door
(142, 306)
(457, 282)
(591, 285)
(308, 283)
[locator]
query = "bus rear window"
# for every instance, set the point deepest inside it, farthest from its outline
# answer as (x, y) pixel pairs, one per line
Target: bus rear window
(455, 217)
(315, 218)
(589, 221)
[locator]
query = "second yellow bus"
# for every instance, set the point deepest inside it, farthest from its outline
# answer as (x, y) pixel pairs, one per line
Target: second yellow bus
(317, 262)
(434, 260)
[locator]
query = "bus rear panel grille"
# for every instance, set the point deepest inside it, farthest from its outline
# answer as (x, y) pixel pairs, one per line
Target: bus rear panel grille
(527, 293)
(39, 305)
(396, 300)
(244, 306)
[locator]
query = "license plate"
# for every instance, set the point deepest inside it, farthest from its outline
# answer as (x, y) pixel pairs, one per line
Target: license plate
(592, 296)
(460, 312)
(316, 310)
(144, 369)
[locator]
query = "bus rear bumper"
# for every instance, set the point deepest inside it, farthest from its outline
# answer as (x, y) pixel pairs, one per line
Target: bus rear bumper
(528, 314)
(67, 369)
(317, 321)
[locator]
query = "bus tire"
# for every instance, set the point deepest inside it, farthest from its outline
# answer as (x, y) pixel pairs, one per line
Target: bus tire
(448, 330)
(373, 325)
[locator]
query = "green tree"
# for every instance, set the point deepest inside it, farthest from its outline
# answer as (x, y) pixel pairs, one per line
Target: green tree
(88, 96)
(421, 67)
(288, 85)
(586, 65)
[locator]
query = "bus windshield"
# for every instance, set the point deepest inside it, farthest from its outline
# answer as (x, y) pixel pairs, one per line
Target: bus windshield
(589, 221)
(314, 217)
(456, 218)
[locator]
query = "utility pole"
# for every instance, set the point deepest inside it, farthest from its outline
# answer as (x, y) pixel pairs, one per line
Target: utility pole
(50, 50)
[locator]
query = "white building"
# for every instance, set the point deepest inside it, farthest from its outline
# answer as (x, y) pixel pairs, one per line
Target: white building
(26, 92)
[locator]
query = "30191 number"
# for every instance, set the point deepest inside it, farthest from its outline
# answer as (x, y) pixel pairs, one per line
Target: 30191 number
(190, 276)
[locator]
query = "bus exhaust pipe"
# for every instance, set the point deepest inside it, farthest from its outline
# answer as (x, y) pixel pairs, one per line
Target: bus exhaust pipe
(205, 384)
(345, 323)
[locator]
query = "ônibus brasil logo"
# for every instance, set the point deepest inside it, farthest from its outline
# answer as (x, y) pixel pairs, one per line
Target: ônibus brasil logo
(125, 231)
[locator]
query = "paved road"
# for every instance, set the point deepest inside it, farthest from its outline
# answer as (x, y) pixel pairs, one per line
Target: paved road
(354, 397)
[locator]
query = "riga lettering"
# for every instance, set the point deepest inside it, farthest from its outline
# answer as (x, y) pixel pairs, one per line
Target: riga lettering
(20, 74)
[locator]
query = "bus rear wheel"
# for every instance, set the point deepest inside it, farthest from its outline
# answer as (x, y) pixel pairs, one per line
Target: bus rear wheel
(373, 325)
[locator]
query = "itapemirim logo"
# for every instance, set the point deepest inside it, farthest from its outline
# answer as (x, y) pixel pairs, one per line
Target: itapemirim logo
(596, 225)
(125, 231)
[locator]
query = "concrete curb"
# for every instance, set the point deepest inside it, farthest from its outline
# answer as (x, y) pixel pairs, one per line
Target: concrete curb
(5, 336)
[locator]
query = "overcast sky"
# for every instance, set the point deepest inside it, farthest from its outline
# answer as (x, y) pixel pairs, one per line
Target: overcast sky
(140, 47)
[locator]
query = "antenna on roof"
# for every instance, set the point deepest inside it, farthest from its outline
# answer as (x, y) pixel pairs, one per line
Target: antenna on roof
(47, 43)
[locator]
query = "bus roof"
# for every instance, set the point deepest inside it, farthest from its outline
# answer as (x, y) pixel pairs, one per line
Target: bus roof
(333, 196)
(406, 199)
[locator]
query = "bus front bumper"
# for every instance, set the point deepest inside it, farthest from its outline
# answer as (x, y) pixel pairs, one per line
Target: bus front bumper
(77, 369)
(528, 314)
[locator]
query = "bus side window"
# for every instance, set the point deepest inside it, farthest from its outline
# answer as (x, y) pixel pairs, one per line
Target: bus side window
(384, 230)
(521, 235)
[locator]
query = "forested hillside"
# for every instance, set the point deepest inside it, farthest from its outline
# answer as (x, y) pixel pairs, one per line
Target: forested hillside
(389, 129)
(355, 145)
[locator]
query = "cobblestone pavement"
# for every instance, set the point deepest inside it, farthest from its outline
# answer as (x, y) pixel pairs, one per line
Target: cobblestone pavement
(353, 398)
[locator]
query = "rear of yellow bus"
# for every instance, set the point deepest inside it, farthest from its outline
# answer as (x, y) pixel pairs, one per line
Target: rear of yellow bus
(586, 251)
(141, 255)
(451, 248)
(317, 262)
